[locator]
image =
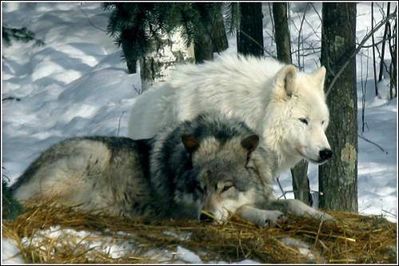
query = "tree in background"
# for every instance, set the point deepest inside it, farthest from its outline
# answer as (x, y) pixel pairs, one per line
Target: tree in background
(300, 180)
(210, 35)
(250, 32)
(218, 33)
(338, 177)
(145, 30)
(282, 32)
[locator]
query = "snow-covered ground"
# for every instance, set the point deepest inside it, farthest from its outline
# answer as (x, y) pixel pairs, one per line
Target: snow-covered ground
(75, 84)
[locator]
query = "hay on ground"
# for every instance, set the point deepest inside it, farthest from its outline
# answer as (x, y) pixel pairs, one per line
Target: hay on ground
(51, 234)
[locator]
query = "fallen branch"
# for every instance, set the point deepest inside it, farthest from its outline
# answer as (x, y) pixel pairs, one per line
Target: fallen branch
(119, 123)
(369, 141)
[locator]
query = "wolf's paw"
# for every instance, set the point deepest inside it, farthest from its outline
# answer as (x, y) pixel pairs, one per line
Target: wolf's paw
(325, 217)
(271, 218)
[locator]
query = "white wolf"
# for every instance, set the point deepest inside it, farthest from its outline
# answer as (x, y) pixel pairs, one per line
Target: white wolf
(285, 106)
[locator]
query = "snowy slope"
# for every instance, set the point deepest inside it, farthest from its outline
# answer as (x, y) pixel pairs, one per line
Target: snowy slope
(74, 85)
(77, 85)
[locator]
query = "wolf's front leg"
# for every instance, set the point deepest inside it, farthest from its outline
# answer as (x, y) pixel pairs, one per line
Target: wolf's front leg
(264, 218)
(298, 208)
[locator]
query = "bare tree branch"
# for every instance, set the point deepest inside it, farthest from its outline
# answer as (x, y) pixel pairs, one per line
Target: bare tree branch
(377, 27)
(299, 35)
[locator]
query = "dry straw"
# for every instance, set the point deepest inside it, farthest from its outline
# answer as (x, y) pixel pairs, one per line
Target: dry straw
(351, 239)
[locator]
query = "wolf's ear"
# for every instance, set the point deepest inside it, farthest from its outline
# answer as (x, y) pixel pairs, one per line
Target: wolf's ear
(286, 81)
(190, 143)
(319, 77)
(250, 143)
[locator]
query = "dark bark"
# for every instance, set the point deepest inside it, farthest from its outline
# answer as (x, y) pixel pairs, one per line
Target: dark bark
(300, 180)
(149, 71)
(250, 33)
(393, 41)
(383, 45)
(129, 50)
(373, 42)
(203, 45)
(219, 37)
(300, 183)
(338, 177)
(203, 48)
(282, 33)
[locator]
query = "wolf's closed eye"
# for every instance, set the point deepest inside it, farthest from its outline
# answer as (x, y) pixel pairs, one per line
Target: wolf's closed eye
(227, 187)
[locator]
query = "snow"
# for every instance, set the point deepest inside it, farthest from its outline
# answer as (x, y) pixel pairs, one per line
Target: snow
(76, 84)
(10, 252)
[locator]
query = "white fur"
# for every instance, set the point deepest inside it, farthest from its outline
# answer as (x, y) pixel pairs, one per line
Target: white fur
(269, 96)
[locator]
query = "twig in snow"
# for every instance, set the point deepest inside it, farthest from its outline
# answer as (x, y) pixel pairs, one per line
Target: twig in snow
(364, 88)
(369, 141)
(281, 188)
(388, 212)
(119, 123)
(139, 91)
(11, 98)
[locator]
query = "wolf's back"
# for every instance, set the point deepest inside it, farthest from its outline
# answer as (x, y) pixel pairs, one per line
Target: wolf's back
(95, 172)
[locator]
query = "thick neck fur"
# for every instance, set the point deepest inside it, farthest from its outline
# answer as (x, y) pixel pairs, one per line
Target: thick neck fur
(271, 126)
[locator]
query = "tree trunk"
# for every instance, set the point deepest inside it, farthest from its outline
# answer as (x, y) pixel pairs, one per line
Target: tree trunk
(129, 50)
(373, 42)
(383, 45)
(394, 66)
(338, 177)
(203, 48)
(155, 66)
(203, 45)
(300, 180)
(219, 37)
(282, 32)
(250, 33)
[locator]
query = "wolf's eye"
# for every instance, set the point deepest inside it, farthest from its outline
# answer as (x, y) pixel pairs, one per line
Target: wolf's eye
(227, 187)
(304, 120)
(322, 122)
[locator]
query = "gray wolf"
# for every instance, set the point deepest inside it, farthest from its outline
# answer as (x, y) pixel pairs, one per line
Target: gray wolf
(283, 105)
(211, 164)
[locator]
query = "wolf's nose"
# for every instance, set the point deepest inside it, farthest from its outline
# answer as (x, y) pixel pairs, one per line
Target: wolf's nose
(325, 154)
(205, 218)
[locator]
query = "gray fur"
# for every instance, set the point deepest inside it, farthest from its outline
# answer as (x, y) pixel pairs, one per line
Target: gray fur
(211, 163)
(151, 178)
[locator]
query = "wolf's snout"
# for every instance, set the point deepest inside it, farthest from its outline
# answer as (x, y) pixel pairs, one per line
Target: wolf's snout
(325, 154)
